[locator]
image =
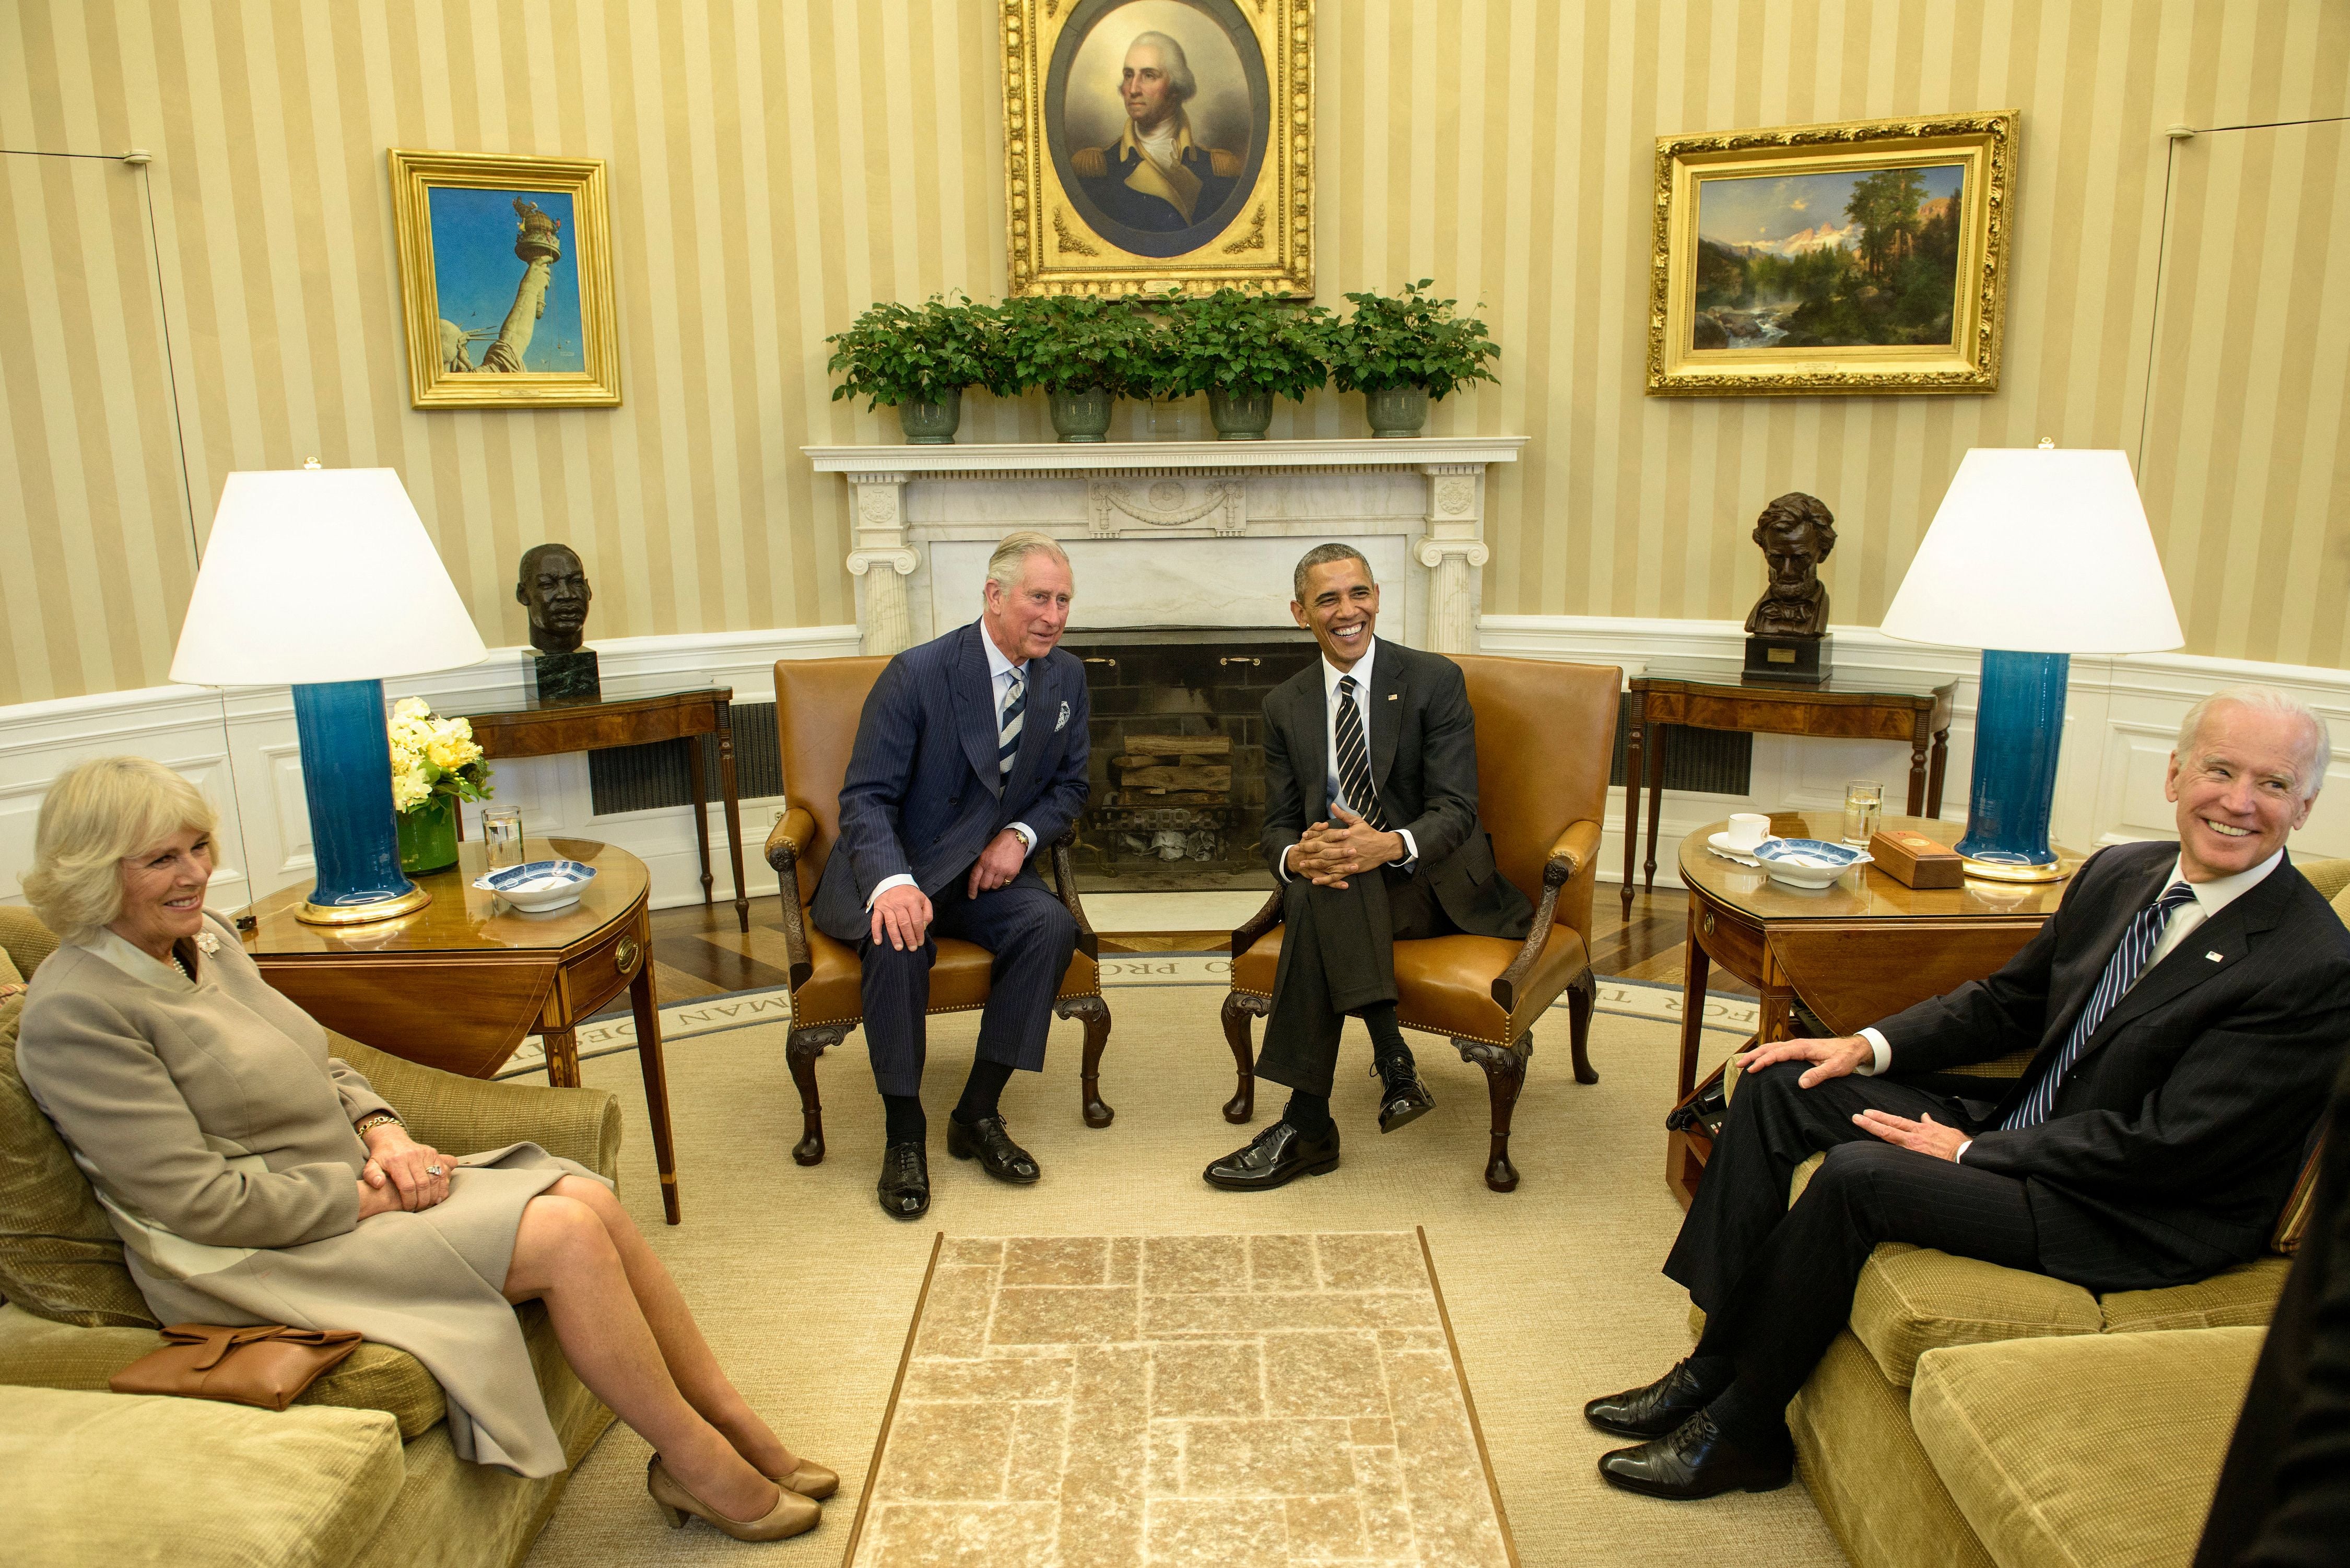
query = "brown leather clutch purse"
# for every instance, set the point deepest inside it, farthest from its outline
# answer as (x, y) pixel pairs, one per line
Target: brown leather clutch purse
(264, 1365)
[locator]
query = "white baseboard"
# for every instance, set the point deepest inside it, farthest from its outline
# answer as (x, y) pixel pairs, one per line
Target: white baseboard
(239, 746)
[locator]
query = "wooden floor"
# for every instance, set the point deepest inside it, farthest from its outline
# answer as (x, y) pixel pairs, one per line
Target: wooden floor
(697, 951)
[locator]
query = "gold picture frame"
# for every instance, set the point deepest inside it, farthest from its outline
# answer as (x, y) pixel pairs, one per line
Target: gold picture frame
(1815, 258)
(1227, 203)
(506, 280)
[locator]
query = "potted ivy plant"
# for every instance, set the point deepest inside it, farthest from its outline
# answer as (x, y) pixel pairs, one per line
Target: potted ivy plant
(1083, 352)
(1244, 349)
(1399, 350)
(920, 359)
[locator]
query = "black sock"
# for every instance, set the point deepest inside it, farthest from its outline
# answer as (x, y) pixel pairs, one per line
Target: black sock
(1714, 1374)
(980, 1091)
(1386, 1036)
(1754, 1425)
(906, 1123)
(1309, 1114)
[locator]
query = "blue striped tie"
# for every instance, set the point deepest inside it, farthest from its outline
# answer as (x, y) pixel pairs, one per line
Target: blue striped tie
(1007, 740)
(2129, 960)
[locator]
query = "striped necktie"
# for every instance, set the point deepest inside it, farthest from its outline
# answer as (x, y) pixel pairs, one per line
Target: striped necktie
(1354, 759)
(2129, 961)
(1007, 738)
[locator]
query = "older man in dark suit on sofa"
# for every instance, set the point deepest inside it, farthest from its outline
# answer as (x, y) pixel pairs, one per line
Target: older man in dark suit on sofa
(971, 755)
(2189, 1005)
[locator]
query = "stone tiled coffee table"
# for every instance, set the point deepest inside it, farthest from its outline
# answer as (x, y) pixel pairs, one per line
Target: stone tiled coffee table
(1118, 1402)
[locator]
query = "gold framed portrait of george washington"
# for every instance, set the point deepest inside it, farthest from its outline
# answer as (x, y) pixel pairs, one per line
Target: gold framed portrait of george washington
(1154, 144)
(506, 280)
(1867, 256)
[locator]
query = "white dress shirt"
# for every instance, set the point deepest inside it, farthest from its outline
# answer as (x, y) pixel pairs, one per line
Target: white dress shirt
(1333, 794)
(999, 672)
(2210, 898)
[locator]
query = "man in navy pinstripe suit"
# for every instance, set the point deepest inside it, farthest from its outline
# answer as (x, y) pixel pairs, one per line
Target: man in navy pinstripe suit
(2187, 1005)
(970, 754)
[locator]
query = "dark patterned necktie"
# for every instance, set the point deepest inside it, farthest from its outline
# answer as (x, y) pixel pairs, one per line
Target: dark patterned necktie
(1007, 739)
(2129, 960)
(1354, 759)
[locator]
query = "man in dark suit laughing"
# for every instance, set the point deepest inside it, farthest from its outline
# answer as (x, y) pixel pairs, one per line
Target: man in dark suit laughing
(1370, 821)
(2187, 1006)
(971, 755)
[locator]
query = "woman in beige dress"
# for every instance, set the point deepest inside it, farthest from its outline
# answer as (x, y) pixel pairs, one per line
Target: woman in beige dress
(255, 1179)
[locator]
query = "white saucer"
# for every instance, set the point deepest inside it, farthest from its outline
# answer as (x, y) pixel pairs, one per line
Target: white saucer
(1720, 844)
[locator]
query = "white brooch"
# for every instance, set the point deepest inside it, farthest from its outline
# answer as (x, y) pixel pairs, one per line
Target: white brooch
(1063, 722)
(207, 943)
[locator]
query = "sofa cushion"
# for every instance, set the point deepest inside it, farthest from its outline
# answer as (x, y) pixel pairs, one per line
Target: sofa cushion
(2240, 1297)
(121, 1478)
(24, 940)
(2088, 1450)
(1889, 1507)
(58, 1256)
(1910, 1300)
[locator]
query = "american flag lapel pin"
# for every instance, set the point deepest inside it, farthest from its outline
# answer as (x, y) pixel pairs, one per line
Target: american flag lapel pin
(2214, 958)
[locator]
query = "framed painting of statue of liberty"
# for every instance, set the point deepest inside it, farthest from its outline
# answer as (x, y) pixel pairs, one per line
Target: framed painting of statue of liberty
(506, 280)
(1151, 144)
(1869, 256)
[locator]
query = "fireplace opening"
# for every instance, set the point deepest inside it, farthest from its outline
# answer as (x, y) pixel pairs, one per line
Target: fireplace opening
(1178, 764)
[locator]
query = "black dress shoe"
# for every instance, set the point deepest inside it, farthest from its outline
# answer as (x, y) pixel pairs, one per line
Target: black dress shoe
(986, 1141)
(1403, 1098)
(905, 1184)
(1656, 1409)
(1274, 1158)
(1694, 1461)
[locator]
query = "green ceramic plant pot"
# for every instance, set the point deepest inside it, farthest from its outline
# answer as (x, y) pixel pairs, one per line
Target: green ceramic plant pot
(428, 835)
(1081, 416)
(932, 424)
(1396, 412)
(1240, 415)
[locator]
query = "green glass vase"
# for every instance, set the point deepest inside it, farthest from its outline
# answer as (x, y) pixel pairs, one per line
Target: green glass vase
(428, 835)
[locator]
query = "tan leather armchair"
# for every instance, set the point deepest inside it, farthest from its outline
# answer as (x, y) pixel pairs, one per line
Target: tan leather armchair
(1545, 736)
(817, 704)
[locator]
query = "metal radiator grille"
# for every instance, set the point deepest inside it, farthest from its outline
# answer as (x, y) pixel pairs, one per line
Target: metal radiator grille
(1702, 762)
(646, 778)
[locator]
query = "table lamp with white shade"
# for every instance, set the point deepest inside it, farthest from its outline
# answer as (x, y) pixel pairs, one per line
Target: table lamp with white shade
(324, 578)
(2036, 555)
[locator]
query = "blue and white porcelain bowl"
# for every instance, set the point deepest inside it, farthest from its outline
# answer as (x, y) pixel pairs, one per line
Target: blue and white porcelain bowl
(539, 885)
(1808, 862)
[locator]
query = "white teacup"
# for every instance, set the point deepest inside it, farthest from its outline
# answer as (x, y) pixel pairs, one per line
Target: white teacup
(1747, 829)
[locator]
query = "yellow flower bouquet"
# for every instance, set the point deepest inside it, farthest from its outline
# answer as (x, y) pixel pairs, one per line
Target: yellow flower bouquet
(435, 763)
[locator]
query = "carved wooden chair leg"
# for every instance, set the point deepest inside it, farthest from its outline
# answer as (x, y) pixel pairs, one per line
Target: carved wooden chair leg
(1505, 1074)
(1095, 1012)
(801, 1051)
(1240, 1006)
(1582, 997)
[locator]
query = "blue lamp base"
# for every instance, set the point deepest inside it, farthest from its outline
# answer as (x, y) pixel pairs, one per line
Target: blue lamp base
(2019, 727)
(347, 776)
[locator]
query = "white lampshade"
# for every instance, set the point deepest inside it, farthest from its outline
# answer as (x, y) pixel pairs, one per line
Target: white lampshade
(2037, 550)
(320, 575)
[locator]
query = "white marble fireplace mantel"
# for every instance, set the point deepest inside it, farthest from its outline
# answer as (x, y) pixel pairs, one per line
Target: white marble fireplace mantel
(1170, 534)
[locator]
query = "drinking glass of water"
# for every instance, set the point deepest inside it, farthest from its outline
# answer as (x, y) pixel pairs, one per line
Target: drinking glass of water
(1863, 808)
(501, 836)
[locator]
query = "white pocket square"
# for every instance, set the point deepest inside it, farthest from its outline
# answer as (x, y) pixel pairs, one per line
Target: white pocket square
(1063, 722)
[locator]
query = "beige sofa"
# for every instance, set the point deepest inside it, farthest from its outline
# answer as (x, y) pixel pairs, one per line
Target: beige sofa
(359, 1472)
(1971, 1414)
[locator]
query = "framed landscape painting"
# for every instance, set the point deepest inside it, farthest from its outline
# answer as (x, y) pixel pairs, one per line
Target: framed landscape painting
(1154, 144)
(506, 280)
(1869, 256)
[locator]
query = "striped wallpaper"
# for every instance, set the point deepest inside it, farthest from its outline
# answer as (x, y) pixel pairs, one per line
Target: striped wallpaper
(777, 164)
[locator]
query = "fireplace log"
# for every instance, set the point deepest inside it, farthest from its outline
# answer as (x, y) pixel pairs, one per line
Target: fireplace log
(1178, 746)
(1138, 773)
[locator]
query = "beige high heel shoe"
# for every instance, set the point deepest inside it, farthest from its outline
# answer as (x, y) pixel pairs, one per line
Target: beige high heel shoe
(810, 1480)
(792, 1515)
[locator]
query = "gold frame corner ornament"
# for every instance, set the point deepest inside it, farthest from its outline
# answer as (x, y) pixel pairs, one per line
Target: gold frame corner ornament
(414, 175)
(1051, 248)
(1986, 143)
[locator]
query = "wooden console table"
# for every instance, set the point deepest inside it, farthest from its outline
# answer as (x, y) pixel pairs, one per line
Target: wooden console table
(457, 984)
(597, 724)
(1665, 695)
(1861, 949)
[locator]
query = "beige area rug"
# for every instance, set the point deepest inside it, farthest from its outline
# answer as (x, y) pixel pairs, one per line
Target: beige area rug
(1117, 1401)
(806, 1288)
